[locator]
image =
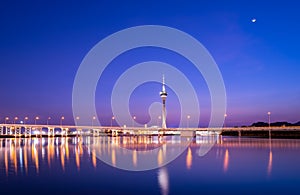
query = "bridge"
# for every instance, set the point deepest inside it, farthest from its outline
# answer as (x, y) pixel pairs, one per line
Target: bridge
(27, 130)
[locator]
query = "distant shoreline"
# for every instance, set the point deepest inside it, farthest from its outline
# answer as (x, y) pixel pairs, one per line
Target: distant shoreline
(264, 134)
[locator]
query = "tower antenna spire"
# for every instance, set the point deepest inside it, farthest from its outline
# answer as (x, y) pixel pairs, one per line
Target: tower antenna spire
(163, 84)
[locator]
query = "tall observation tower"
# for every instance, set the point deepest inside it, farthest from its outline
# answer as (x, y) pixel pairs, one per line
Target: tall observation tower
(163, 95)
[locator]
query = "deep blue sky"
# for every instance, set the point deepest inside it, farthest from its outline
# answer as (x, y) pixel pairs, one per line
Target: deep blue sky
(43, 43)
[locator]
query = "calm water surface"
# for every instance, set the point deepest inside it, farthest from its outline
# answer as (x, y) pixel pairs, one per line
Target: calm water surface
(71, 166)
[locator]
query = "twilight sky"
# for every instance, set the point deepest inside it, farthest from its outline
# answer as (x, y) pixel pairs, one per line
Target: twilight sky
(42, 45)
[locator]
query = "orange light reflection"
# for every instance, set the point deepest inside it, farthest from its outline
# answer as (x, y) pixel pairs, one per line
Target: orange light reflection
(189, 158)
(134, 158)
(226, 161)
(113, 157)
(270, 162)
(94, 159)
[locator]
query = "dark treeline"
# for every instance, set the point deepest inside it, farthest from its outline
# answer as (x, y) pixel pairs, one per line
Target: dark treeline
(275, 124)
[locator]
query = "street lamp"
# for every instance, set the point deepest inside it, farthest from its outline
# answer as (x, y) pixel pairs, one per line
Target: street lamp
(6, 119)
(15, 119)
(269, 117)
(61, 120)
(111, 121)
(94, 118)
(77, 119)
(158, 119)
(188, 120)
(49, 118)
(25, 119)
(134, 117)
(225, 115)
(35, 119)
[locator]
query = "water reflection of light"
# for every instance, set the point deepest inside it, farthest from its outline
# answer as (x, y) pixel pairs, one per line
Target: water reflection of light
(94, 159)
(43, 153)
(270, 163)
(35, 157)
(163, 180)
(21, 157)
(67, 149)
(77, 159)
(13, 156)
(189, 158)
(62, 158)
(56, 141)
(160, 158)
(49, 151)
(36, 141)
(19, 153)
(11, 149)
(57, 151)
(25, 160)
(43, 142)
(134, 158)
(270, 157)
(80, 148)
(226, 161)
(113, 157)
(6, 162)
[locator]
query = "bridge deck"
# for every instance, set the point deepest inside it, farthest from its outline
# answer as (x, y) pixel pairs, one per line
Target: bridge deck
(29, 129)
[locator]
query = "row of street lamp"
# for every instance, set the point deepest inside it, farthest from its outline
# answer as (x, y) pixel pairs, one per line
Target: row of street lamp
(269, 119)
(15, 119)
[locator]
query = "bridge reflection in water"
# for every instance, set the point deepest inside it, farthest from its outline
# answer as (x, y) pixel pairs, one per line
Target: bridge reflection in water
(71, 157)
(21, 155)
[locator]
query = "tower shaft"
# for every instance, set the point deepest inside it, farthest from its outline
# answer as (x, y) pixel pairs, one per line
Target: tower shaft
(163, 95)
(164, 115)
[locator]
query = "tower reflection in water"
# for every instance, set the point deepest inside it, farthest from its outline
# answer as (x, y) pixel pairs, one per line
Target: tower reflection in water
(163, 180)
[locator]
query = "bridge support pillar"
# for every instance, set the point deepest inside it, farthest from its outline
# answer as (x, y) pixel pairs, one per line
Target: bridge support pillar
(95, 132)
(28, 131)
(50, 132)
(1, 130)
(64, 132)
(8, 130)
(40, 132)
(18, 130)
(240, 133)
